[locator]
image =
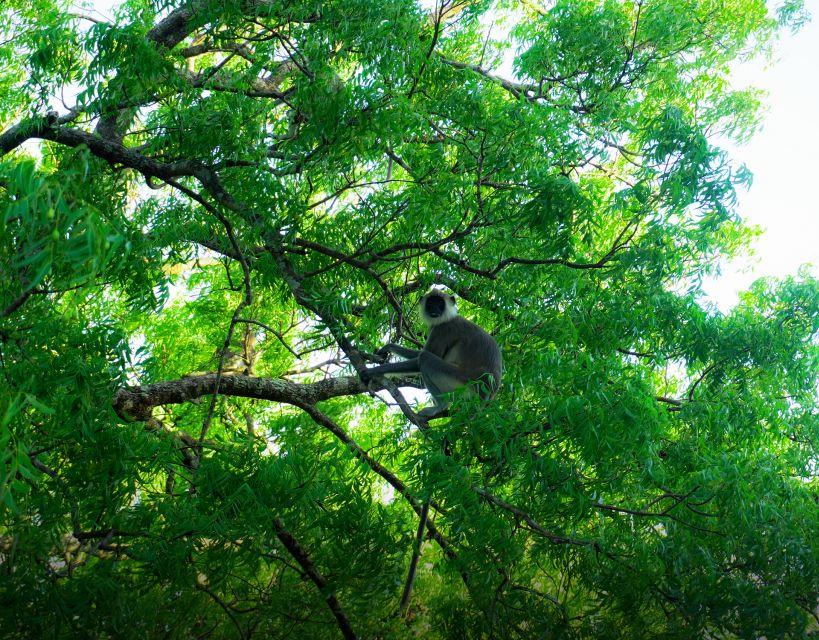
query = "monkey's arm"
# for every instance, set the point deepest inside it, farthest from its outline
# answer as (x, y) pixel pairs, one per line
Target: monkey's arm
(405, 366)
(398, 350)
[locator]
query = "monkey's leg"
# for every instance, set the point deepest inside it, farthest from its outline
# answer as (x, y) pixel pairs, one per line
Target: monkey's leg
(394, 368)
(398, 350)
(443, 376)
(440, 378)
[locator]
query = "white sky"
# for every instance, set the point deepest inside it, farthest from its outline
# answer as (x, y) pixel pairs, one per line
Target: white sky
(782, 158)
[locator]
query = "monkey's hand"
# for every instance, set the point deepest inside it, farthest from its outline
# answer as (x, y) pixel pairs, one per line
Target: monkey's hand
(383, 354)
(397, 349)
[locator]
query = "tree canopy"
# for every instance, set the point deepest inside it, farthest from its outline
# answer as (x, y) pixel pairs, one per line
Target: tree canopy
(216, 211)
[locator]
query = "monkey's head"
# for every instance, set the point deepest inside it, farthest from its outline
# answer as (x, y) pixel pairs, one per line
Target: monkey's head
(438, 307)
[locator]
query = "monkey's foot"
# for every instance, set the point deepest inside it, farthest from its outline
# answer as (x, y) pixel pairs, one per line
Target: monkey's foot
(430, 413)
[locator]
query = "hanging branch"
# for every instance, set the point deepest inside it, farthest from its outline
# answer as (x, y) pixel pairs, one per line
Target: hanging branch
(398, 485)
(303, 558)
(416, 554)
(534, 526)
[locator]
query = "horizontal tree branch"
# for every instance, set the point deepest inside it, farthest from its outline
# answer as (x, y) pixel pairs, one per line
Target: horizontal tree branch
(106, 149)
(135, 403)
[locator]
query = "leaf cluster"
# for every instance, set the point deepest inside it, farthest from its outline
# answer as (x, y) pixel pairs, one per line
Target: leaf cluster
(204, 243)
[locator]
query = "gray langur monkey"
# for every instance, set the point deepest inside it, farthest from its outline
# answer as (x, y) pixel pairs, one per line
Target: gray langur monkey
(457, 352)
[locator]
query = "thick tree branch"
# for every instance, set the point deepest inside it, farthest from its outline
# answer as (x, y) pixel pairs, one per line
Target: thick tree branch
(517, 89)
(108, 150)
(132, 403)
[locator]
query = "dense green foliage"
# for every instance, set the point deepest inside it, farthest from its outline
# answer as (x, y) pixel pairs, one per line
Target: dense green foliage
(248, 197)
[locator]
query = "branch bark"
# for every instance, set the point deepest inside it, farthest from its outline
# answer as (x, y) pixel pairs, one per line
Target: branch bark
(134, 403)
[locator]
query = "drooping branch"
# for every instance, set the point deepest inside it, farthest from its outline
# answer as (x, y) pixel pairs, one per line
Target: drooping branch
(246, 301)
(533, 525)
(301, 556)
(416, 555)
(676, 499)
(395, 483)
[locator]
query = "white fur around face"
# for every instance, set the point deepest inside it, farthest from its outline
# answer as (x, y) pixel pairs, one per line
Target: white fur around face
(450, 312)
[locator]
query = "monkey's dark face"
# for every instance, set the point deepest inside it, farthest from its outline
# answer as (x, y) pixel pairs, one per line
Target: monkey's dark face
(438, 307)
(435, 306)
